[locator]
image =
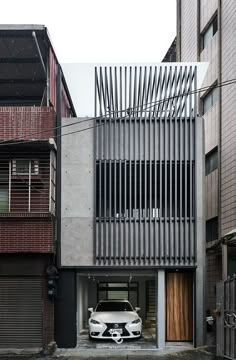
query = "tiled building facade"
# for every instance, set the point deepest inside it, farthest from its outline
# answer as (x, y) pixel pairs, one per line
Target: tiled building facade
(205, 32)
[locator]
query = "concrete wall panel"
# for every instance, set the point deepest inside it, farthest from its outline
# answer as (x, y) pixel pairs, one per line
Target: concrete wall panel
(77, 194)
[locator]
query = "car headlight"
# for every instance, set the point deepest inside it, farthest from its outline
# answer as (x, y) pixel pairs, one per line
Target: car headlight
(94, 321)
(137, 321)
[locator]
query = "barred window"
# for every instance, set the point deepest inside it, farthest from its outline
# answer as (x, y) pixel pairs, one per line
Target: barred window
(28, 185)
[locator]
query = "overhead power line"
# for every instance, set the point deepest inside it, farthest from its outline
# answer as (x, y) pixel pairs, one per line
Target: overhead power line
(108, 114)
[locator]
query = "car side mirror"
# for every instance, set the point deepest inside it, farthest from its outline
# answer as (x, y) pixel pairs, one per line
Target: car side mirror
(137, 309)
(90, 309)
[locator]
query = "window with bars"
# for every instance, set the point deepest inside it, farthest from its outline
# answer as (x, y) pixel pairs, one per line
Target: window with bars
(28, 184)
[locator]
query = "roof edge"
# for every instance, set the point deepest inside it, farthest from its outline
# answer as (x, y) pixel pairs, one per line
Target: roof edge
(17, 27)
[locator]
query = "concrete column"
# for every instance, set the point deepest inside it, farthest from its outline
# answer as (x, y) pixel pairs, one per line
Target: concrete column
(160, 309)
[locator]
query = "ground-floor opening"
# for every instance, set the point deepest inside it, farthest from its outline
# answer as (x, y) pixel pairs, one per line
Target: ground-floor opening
(139, 290)
(165, 299)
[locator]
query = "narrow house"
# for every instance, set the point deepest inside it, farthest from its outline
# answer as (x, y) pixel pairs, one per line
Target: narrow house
(132, 223)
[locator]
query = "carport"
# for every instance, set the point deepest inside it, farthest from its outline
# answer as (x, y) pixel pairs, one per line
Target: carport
(139, 288)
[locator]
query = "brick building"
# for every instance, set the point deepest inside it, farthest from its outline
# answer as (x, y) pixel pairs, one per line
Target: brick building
(33, 97)
(206, 32)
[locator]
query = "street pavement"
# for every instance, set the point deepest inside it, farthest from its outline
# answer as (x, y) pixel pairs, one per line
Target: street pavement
(194, 354)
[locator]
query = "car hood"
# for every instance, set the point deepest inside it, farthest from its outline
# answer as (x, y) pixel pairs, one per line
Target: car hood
(116, 316)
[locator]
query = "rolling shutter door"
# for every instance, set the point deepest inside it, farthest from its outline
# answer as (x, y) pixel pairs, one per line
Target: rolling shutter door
(21, 321)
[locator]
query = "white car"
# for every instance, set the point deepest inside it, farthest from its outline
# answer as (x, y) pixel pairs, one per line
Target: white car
(114, 317)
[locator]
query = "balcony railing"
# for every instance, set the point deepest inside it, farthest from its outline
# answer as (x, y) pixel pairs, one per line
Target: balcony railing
(18, 123)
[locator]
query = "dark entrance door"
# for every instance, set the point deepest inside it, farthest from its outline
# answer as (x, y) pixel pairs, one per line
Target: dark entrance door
(179, 306)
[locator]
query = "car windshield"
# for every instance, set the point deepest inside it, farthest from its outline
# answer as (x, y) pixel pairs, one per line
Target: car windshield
(114, 306)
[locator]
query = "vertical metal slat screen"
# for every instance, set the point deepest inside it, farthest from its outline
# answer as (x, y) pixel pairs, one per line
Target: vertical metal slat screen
(145, 163)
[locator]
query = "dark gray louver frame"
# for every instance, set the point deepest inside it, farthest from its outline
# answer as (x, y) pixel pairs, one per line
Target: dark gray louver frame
(145, 165)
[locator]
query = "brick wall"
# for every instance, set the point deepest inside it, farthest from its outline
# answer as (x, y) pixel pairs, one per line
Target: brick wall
(26, 235)
(26, 122)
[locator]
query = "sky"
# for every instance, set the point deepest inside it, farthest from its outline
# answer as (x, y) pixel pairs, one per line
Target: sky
(100, 30)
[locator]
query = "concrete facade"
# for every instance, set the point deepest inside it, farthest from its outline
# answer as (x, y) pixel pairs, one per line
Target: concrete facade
(77, 196)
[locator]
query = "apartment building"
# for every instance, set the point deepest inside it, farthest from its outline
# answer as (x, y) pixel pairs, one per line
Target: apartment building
(206, 32)
(33, 97)
(132, 202)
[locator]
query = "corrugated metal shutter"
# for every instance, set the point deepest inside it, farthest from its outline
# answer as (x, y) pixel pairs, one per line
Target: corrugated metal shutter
(21, 316)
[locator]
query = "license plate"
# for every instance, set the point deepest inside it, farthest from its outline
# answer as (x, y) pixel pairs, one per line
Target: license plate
(119, 331)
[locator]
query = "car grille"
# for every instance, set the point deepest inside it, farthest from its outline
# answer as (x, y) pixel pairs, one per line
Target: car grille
(112, 326)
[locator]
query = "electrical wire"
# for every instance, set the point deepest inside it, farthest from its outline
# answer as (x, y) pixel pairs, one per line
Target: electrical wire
(109, 113)
(227, 82)
(143, 108)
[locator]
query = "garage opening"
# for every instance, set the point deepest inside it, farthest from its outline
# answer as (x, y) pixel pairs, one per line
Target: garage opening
(139, 291)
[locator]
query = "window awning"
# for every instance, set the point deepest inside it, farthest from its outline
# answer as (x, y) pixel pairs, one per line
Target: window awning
(229, 238)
